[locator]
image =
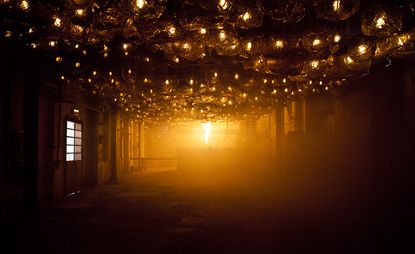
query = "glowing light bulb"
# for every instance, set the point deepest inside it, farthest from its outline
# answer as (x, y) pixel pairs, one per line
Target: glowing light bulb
(58, 59)
(63, 77)
(125, 46)
(380, 22)
(314, 64)
(79, 12)
(337, 38)
(77, 64)
(215, 74)
(362, 49)
(349, 60)
(172, 30)
(279, 44)
(223, 4)
(52, 43)
(265, 80)
(140, 3)
(316, 42)
(336, 5)
(202, 31)
(186, 45)
(222, 35)
(24, 5)
(284, 80)
(57, 22)
(191, 82)
(246, 16)
(249, 46)
(176, 60)
(94, 73)
(167, 82)
(236, 76)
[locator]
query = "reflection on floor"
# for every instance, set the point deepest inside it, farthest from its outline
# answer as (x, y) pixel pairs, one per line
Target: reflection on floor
(220, 212)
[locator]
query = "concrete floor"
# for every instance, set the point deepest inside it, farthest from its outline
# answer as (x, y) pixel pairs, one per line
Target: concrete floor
(176, 212)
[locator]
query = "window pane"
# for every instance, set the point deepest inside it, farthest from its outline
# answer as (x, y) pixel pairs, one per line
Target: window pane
(70, 125)
(78, 126)
(70, 149)
(78, 134)
(70, 133)
(69, 157)
(78, 141)
(78, 149)
(70, 141)
(78, 157)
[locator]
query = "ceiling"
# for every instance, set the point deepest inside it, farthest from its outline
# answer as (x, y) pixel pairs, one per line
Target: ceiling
(210, 60)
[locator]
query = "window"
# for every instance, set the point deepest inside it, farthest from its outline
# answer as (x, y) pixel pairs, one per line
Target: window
(73, 141)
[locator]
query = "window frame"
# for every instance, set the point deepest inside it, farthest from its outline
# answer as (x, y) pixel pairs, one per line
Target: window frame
(77, 140)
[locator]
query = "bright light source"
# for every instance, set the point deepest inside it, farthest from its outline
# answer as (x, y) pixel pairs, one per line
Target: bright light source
(336, 5)
(380, 22)
(246, 16)
(140, 4)
(206, 128)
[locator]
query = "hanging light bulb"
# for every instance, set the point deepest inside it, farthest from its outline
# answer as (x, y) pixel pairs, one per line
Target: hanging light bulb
(79, 12)
(223, 4)
(316, 42)
(222, 35)
(171, 30)
(24, 5)
(202, 30)
(336, 5)
(140, 4)
(314, 64)
(337, 38)
(246, 16)
(380, 22)
(249, 46)
(362, 49)
(279, 44)
(57, 22)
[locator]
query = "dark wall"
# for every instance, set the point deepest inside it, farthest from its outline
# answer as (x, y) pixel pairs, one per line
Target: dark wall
(355, 159)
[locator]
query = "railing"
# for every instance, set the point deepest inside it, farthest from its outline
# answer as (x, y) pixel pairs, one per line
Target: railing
(155, 163)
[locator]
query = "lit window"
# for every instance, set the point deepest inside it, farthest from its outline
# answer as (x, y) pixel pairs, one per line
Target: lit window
(73, 141)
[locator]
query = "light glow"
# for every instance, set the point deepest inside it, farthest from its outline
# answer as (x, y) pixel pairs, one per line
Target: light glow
(246, 16)
(206, 129)
(57, 22)
(140, 4)
(336, 5)
(380, 22)
(223, 4)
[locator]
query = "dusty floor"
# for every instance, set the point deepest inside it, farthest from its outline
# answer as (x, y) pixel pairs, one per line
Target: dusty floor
(176, 212)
